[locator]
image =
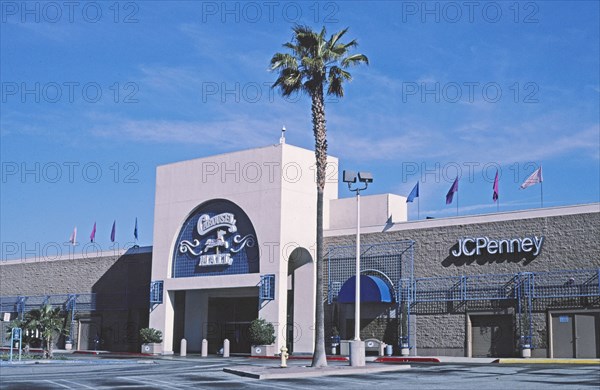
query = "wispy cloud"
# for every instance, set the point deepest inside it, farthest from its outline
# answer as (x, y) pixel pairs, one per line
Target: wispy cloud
(238, 133)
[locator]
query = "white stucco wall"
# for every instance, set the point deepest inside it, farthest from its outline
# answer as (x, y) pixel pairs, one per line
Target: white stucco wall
(275, 186)
(375, 210)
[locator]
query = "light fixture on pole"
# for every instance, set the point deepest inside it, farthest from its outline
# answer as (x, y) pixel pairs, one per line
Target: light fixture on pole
(357, 347)
(282, 138)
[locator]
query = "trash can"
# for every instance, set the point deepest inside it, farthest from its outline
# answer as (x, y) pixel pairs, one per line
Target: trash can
(389, 351)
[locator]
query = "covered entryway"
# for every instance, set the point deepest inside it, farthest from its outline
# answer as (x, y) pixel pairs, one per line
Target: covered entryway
(575, 335)
(492, 336)
(229, 318)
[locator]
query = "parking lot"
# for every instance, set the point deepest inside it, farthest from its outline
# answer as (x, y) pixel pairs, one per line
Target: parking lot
(207, 373)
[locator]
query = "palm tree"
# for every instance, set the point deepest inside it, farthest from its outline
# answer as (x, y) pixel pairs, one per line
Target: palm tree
(314, 63)
(48, 322)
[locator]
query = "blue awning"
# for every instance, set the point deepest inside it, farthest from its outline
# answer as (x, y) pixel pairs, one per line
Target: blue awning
(372, 289)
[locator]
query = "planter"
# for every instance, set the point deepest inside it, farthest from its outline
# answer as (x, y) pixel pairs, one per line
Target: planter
(526, 351)
(404, 350)
(152, 348)
(263, 350)
(345, 347)
(68, 346)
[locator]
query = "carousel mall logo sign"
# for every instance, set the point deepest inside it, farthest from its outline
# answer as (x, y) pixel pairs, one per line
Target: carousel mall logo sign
(216, 249)
(475, 246)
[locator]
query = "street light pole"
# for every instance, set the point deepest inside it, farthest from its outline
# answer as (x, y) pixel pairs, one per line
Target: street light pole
(357, 347)
(357, 292)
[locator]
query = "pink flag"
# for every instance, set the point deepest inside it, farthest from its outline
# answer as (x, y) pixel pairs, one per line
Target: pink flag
(535, 178)
(73, 238)
(453, 189)
(496, 193)
(93, 235)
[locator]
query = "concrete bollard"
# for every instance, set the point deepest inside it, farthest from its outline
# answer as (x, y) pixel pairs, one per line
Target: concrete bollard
(204, 348)
(381, 348)
(226, 348)
(183, 348)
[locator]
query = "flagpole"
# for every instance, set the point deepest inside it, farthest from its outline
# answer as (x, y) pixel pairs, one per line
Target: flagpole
(542, 193)
(457, 203)
(419, 207)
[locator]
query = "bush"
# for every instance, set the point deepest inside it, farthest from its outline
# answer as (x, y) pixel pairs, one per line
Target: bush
(150, 335)
(261, 332)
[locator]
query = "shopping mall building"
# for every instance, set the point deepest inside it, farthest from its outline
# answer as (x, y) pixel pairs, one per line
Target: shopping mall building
(234, 240)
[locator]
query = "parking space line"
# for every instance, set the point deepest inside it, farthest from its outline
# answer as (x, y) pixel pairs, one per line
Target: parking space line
(78, 384)
(57, 384)
(154, 382)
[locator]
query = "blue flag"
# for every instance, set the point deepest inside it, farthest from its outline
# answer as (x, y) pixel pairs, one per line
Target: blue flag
(413, 194)
(113, 231)
(135, 231)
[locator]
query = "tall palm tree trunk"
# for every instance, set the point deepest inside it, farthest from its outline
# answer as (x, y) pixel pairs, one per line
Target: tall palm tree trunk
(319, 129)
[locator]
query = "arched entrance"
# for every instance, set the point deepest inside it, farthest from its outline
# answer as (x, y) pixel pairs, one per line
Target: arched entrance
(300, 301)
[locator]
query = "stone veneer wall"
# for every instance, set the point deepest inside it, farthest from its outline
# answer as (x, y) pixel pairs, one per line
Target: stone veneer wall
(571, 242)
(121, 284)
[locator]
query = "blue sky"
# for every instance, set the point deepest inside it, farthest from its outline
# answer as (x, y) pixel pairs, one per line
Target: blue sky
(94, 97)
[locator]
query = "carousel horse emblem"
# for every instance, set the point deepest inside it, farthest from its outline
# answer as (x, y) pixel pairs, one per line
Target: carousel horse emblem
(216, 242)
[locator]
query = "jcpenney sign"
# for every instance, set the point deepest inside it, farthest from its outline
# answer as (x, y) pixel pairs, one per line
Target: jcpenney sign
(477, 245)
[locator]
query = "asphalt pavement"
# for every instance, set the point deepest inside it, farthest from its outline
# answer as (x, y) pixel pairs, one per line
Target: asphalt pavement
(97, 372)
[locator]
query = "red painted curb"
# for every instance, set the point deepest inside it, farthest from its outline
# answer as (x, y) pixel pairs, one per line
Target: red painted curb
(111, 353)
(407, 360)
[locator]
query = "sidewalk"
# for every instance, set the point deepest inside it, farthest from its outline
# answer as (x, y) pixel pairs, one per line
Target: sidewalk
(294, 372)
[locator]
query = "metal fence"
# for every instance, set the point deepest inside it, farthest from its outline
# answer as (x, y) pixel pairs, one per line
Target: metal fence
(67, 302)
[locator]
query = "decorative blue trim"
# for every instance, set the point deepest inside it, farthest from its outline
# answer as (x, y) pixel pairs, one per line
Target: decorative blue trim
(156, 292)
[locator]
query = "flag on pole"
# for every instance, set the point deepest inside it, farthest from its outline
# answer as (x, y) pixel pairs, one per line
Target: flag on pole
(413, 194)
(453, 189)
(73, 238)
(535, 178)
(112, 233)
(93, 234)
(496, 193)
(135, 230)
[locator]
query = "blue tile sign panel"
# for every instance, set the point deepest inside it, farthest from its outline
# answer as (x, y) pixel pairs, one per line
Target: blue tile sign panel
(217, 239)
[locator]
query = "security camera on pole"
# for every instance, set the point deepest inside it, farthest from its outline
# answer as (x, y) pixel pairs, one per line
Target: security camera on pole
(357, 347)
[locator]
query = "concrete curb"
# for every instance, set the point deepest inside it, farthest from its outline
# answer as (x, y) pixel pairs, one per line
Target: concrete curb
(392, 359)
(296, 372)
(547, 361)
(53, 362)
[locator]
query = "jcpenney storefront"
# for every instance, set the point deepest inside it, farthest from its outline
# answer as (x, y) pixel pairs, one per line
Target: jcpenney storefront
(486, 285)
